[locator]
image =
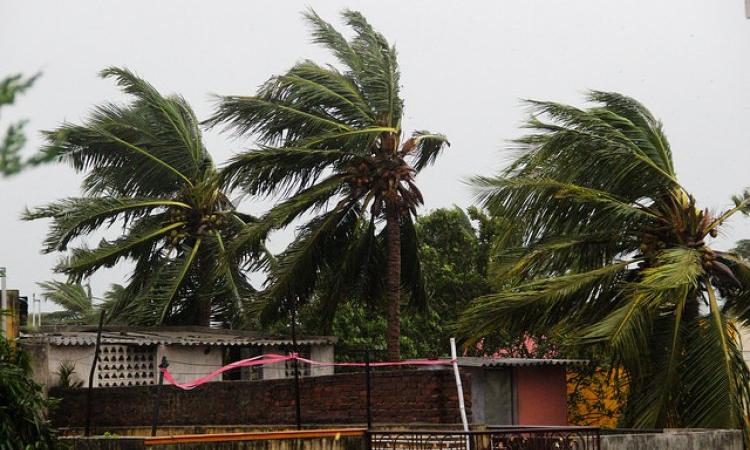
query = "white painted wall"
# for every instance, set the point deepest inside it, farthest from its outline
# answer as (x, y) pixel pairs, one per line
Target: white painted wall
(187, 362)
(81, 356)
(322, 353)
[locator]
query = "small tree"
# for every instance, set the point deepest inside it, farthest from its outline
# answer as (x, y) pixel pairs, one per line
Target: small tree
(14, 139)
(22, 403)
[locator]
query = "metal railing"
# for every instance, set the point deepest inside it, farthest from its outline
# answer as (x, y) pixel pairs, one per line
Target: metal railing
(518, 438)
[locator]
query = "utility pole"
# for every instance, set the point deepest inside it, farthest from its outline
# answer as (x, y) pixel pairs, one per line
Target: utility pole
(4, 302)
(89, 392)
(297, 402)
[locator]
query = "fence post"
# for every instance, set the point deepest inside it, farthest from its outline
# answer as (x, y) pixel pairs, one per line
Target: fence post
(298, 406)
(368, 387)
(89, 392)
(157, 400)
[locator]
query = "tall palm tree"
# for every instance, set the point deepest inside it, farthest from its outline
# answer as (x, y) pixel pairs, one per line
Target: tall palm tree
(616, 255)
(332, 140)
(148, 172)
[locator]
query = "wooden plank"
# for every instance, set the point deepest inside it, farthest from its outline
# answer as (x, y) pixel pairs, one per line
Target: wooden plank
(255, 436)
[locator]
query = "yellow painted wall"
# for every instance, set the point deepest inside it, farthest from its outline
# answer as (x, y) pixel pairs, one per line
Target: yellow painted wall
(593, 399)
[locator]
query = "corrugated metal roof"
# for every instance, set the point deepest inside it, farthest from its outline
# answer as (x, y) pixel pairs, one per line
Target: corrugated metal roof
(163, 335)
(518, 362)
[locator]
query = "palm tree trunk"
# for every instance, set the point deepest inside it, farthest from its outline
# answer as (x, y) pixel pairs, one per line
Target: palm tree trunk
(203, 308)
(393, 288)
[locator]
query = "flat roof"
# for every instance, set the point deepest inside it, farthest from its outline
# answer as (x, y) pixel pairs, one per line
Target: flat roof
(469, 361)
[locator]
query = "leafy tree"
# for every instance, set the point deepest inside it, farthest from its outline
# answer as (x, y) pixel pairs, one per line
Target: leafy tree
(78, 305)
(332, 140)
(147, 169)
(455, 252)
(742, 249)
(22, 404)
(615, 255)
(14, 139)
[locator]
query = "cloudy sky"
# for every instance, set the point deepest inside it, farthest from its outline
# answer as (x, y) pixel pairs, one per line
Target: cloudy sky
(465, 68)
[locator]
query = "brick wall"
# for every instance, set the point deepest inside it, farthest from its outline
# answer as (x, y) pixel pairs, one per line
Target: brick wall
(398, 397)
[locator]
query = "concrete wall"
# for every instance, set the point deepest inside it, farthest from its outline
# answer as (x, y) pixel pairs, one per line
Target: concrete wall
(322, 353)
(187, 362)
(541, 395)
(81, 356)
(492, 398)
(675, 440)
(38, 353)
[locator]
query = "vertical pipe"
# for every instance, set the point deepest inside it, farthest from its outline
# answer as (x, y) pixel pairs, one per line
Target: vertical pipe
(89, 392)
(3, 302)
(368, 387)
(298, 407)
(157, 400)
(459, 385)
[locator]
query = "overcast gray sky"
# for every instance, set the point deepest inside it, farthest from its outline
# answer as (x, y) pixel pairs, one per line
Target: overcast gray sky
(465, 67)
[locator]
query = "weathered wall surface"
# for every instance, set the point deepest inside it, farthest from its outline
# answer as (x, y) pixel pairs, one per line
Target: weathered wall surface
(397, 397)
(187, 362)
(675, 440)
(541, 395)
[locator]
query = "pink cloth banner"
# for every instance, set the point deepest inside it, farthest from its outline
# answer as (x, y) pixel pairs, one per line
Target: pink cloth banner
(256, 361)
(272, 358)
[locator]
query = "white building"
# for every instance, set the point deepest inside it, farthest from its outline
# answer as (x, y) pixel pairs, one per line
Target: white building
(130, 356)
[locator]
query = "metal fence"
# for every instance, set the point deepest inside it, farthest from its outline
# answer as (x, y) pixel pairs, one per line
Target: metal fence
(533, 438)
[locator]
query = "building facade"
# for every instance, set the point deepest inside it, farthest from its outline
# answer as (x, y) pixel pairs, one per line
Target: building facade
(130, 356)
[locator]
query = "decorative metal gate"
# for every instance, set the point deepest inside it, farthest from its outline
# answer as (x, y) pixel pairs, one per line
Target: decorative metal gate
(532, 438)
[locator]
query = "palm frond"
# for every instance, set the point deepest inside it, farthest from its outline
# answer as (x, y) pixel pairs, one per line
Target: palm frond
(74, 217)
(83, 262)
(269, 169)
(427, 147)
(72, 297)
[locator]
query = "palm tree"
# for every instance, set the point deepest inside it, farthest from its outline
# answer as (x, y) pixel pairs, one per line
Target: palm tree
(332, 140)
(78, 303)
(615, 256)
(148, 172)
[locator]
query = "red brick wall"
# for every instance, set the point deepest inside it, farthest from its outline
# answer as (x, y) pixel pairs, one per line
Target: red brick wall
(398, 397)
(541, 395)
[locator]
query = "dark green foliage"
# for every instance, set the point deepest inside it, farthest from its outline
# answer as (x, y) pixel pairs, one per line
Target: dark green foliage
(67, 374)
(14, 139)
(742, 249)
(613, 254)
(455, 251)
(22, 404)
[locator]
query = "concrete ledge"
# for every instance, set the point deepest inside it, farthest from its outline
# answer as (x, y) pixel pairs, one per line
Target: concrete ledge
(675, 439)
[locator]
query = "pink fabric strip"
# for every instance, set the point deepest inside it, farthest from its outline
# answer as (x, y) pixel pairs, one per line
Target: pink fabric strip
(256, 361)
(272, 358)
